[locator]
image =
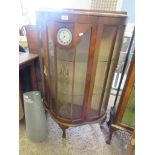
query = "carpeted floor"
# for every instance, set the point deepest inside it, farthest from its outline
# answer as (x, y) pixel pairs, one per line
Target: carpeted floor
(82, 140)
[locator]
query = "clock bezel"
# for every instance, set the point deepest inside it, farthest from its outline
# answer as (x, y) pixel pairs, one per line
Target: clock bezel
(55, 28)
(59, 39)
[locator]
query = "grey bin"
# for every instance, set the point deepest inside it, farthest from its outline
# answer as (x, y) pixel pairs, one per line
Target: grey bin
(36, 123)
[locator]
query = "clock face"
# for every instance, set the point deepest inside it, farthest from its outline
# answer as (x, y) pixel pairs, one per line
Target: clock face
(64, 36)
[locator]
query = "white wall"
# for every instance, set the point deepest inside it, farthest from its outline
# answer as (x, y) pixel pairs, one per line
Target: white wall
(32, 5)
(77, 4)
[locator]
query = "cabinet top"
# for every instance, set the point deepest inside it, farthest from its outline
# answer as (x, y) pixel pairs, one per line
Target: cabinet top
(84, 12)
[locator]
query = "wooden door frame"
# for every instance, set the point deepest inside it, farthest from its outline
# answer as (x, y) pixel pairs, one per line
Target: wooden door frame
(129, 84)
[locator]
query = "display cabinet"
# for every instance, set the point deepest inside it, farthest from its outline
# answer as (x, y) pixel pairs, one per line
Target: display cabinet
(80, 51)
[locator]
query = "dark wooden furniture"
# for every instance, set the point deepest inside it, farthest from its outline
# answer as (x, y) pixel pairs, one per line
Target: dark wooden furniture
(27, 62)
(126, 108)
(79, 51)
(35, 48)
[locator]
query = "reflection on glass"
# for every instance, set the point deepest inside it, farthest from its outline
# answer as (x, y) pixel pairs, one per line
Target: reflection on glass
(108, 86)
(104, 51)
(51, 57)
(109, 95)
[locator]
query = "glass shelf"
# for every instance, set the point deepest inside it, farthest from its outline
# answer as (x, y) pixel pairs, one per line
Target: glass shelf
(65, 108)
(65, 111)
(81, 60)
(71, 111)
(78, 89)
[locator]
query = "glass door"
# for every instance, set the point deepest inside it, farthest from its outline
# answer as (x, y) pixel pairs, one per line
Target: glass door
(68, 67)
(106, 63)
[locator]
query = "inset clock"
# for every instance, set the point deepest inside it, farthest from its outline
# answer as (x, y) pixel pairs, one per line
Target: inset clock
(64, 36)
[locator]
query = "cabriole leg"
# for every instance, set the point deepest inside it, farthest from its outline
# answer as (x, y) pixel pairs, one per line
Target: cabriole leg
(63, 130)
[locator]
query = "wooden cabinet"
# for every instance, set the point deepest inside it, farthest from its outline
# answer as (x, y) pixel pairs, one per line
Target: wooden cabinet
(28, 77)
(80, 50)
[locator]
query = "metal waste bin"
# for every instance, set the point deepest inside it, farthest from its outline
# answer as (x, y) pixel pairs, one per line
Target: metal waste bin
(36, 123)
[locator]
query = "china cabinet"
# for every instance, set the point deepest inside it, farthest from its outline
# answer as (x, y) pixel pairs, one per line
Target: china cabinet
(79, 53)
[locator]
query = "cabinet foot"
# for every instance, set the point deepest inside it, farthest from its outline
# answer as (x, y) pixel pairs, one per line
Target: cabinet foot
(63, 130)
(64, 133)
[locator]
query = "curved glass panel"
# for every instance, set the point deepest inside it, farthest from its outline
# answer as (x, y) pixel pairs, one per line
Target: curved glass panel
(104, 51)
(68, 78)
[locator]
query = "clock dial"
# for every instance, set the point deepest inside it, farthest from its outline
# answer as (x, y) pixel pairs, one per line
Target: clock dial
(64, 36)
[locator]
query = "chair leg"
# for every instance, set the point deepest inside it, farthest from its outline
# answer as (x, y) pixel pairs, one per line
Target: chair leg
(111, 130)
